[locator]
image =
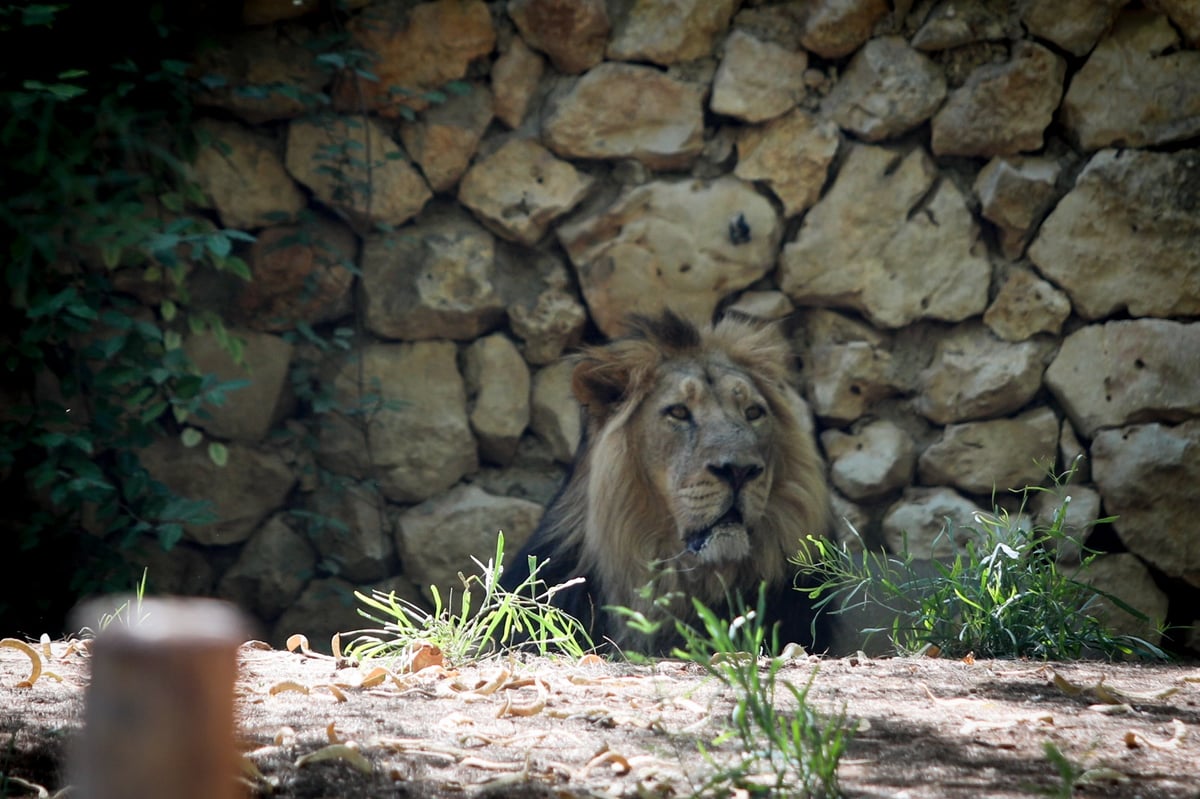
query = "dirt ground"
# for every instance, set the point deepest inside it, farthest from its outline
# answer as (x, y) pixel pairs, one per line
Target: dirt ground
(526, 727)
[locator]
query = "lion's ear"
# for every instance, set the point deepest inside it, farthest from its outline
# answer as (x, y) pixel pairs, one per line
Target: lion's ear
(600, 383)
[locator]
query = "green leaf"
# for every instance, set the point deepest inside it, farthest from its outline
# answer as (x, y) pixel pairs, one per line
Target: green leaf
(217, 453)
(191, 437)
(219, 245)
(172, 340)
(168, 310)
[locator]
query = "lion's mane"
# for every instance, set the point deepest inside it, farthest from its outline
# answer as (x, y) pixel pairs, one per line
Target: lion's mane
(608, 524)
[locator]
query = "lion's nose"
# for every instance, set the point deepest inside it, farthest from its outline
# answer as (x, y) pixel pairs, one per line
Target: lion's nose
(736, 474)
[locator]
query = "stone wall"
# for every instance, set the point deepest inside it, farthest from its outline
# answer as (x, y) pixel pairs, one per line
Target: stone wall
(984, 214)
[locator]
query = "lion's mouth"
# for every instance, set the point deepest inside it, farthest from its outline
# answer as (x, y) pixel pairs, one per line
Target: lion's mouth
(698, 540)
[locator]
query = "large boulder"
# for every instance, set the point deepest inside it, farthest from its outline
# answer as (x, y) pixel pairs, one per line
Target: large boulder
(888, 88)
(791, 155)
(993, 456)
(891, 240)
(679, 244)
(243, 176)
(757, 80)
(349, 526)
(629, 111)
(411, 403)
(873, 460)
(917, 523)
(1127, 236)
(444, 139)
(1130, 371)
(665, 33)
(1148, 476)
(573, 33)
(247, 412)
(270, 571)
(498, 384)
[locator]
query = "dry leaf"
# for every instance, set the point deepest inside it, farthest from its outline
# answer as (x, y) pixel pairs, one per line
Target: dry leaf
(347, 752)
(288, 685)
(35, 669)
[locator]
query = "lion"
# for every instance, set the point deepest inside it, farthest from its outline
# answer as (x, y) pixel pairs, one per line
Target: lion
(696, 474)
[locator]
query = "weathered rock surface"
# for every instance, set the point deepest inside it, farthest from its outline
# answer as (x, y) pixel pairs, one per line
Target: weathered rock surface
(243, 176)
(834, 28)
(1082, 511)
(555, 412)
(325, 607)
(888, 88)
(1003, 108)
(1136, 89)
(1130, 371)
(249, 411)
(515, 77)
(763, 304)
(955, 23)
(302, 274)
(521, 189)
(666, 33)
(419, 441)
(443, 140)
(845, 380)
(986, 457)
(919, 520)
(757, 80)
(354, 539)
(552, 323)
(683, 244)
(1074, 25)
(329, 156)
(1014, 193)
(434, 279)
(438, 538)
(247, 489)
(413, 53)
(1148, 475)
(1184, 13)
(498, 381)
(871, 461)
(260, 75)
(791, 155)
(270, 571)
(1127, 236)
(573, 33)
(1025, 306)
(628, 111)
(974, 375)
(1124, 576)
(890, 241)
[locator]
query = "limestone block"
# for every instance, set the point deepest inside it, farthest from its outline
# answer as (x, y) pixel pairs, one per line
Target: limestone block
(1125, 576)
(515, 77)
(443, 140)
(352, 532)
(301, 274)
(247, 412)
(325, 607)
(1074, 25)
(871, 461)
(994, 456)
(757, 80)
(242, 175)
(1130, 371)
(955, 23)
(974, 375)
(550, 324)
(1025, 306)
(628, 111)
(413, 53)
(1127, 236)
(918, 520)
(888, 88)
(834, 28)
(1137, 88)
(434, 279)
(521, 189)
(791, 155)
(437, 539)
(247, 489)
(554, 413)
(412, 404)
(845, 380)
(270, 571)
(330, 155)
(762, 304)
(1003, 108)
(666, 33)
(1082, 509)
(498, 381)
(573, 33)
(679, 244)
(244, 73)
(888, 240)
(1014, 193)
(1184, 13)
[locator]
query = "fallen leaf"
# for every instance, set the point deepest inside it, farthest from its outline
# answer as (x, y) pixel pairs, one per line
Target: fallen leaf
(35, 669)
(345, 751)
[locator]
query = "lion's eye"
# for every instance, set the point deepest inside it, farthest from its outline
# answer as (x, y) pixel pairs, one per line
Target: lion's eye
(679, 412)
(755, 412)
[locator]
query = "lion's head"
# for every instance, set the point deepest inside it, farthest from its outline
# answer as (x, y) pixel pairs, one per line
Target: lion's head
(697, 468)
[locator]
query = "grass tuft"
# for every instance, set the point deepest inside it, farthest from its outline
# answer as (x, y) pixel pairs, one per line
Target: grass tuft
(483, 620)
